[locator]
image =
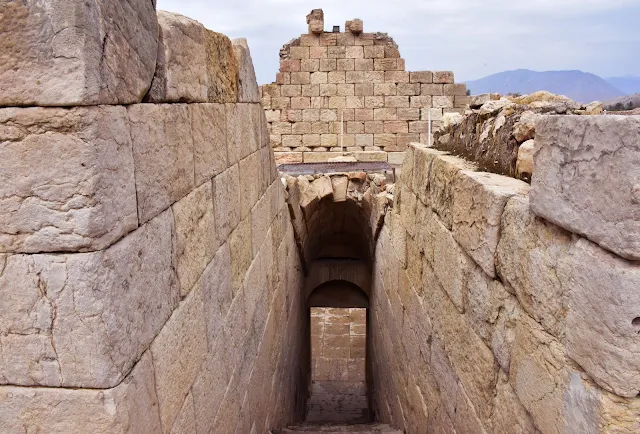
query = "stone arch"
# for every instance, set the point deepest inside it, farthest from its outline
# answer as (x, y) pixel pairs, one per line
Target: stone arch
(338, 293)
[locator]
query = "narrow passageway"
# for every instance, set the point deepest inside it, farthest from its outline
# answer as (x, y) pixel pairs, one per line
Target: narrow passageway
(338, 391)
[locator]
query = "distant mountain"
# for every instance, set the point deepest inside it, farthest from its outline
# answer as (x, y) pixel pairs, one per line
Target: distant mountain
(629, 85)
(577, 85)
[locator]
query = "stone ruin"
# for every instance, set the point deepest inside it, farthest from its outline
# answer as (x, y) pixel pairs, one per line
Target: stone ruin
(158, 275)
(347, 94)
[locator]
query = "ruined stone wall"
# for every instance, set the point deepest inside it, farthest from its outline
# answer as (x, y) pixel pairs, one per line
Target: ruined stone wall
(498, 133)
(149, 277)
(488, 317)
(348, 94)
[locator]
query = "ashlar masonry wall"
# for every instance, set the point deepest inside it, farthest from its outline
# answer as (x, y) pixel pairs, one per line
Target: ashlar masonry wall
(149, 276)
(348, 92)
(488, 317)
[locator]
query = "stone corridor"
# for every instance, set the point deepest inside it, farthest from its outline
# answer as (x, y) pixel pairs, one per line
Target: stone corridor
(161, 273)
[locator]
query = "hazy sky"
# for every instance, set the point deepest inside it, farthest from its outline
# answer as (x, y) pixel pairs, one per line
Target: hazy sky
(473, 38)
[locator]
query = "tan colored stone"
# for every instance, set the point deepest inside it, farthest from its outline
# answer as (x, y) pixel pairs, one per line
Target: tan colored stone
(66, 53)
(443, 77)
(527, 260)
(181, 70)
(83, 320)
(509, 415)
(243, 130)
(230, 74)
(208, 126)
(479, 199)
(123, 409)
(226, 193)
(539, 376)
(524, 164)
(67, 180)
(421, 77)
(586, 178)
(178, 353)
(163, 155)
(195, 236)
(602, 316)
(240, 243)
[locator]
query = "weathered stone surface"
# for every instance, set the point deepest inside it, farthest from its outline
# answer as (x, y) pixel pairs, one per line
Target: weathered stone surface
(586, 178)
(524, 164)
(208, 127)
(216, 292)
(162, 154)
(249, 185)
(185, 423)
(539, 375)
(181, 71)
(67, 179)
(509, 415)
(479, 199)
(225, 68)
(248, 90)
(422, 162)
(527, 260)
(63, 53)
(602, 319)
(315, 20)
(339, 185)
(178, 353)
(243, 130)
(492, 107)
(195, 236)
(83, 320)
(128, 408)
(444, 170)
(240, 244)
(525, 128)
(355, 26)
(226, 191)
(478, 101)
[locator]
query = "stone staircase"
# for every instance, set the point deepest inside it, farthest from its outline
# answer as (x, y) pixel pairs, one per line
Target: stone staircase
(338, 402)
(329, 428)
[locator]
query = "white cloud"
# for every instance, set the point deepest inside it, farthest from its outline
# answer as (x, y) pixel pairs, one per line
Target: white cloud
(471, 37)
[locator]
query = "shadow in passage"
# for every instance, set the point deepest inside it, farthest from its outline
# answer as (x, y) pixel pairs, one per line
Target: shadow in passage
(338, 391)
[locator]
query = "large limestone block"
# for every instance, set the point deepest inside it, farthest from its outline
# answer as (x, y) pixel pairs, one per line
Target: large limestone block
(527, 260)
(208, 127)
(539, 375)
(226, 204)
(443, 173)
(223, 68)
(194, 64)
(73, 52)
(66, 179)
(471, 359)
(83, 320)
(181, 72)
(243, 130)
(178, 353)
(196, 239)
(479, 200)
(249, 183)
(603, 319)
(130, 408)
(248, 90)
(163, 155)
(422, 162)
(587, 178)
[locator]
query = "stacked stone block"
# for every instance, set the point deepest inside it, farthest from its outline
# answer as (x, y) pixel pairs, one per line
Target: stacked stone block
(487, 318)
(349, 92)
(149, 279)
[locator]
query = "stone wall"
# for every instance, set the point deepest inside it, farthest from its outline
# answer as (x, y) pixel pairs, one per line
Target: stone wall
(149, 276)
(348, 94)
(488, 317)
(498, 133)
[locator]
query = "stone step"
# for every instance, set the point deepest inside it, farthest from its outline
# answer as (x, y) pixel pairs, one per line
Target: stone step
(337, 428)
